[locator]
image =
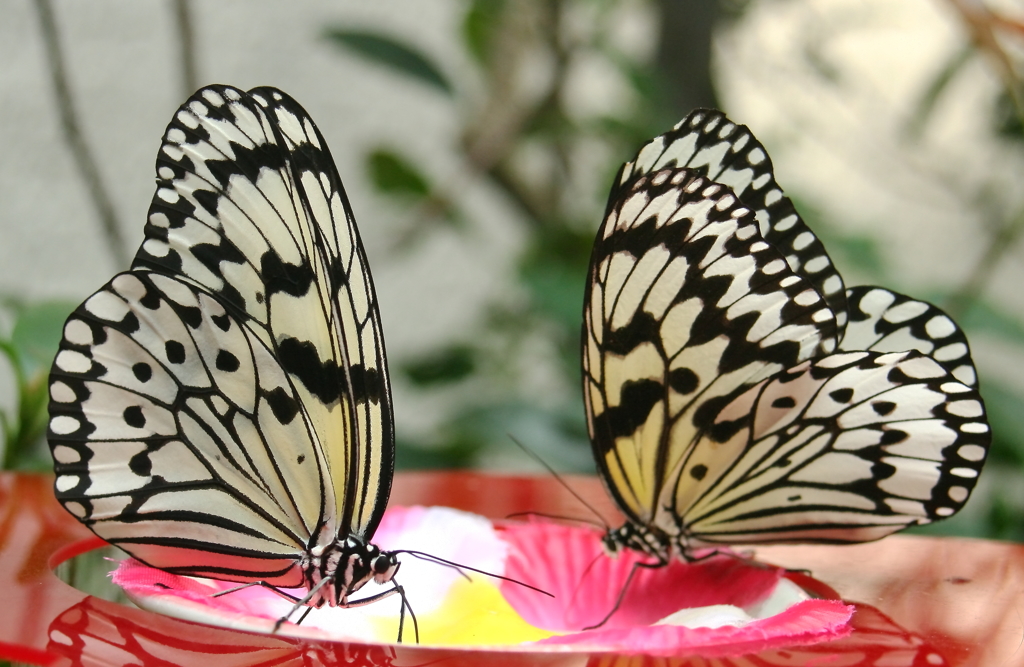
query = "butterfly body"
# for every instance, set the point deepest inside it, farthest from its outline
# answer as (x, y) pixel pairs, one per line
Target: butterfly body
(736, 391)
(223, 409)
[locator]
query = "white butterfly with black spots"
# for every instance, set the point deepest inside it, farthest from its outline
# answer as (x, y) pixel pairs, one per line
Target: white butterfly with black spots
(223, 409)
(736, 392)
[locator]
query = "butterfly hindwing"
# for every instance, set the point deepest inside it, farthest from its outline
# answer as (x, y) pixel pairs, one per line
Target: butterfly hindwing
(846, 448)
(685, 305)
(167, 414)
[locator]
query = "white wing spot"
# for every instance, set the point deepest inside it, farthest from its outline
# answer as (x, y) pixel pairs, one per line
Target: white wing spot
(786, 223)
(175, 136)
(67, 482)
(817, 264)
(756, 156)
(78, 332)
(213, 97)
(63, 425)
(65, 454)
(945, 511)
(71, 361)
(772, 196)
(803, 240)
(159, 220)
(950, 352)
(168, 195)
(940, 326)
(774, 266)
(165, 173)
(188, 120)
(973, 453)
(974, 427)
(833, 284)
(200, 109)
(965, 408)
(966, 473)
(62, 393)
(905, 311)
(760, 181)
(75, 508)
(958, 494)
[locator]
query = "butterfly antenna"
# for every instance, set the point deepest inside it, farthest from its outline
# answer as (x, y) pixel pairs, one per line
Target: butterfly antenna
(536, 457)
(460, 567)
(560, 517)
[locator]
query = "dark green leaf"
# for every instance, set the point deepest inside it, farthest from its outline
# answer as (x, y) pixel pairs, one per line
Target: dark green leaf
(392, 174)
(389, 52)
(443, 367)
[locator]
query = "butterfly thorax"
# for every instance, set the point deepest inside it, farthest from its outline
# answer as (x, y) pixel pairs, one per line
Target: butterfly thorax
(645, 539)
(346, 565)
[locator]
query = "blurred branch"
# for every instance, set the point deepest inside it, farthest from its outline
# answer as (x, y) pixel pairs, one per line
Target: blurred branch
(968, 293)
(982, 24)
(73, 134)
(187, 46)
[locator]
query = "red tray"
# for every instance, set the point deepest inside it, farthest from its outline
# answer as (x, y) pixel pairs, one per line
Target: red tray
(920, 601)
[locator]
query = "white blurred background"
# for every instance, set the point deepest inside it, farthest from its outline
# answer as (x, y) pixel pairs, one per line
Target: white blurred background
(478, 174)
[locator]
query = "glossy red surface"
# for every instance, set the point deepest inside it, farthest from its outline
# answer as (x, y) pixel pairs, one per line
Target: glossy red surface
(921, 601)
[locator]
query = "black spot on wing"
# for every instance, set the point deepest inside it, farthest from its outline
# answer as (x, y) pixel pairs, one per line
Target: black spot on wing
(282, 405)
(323, 379)
(134, 417)
(227, 362)
(175, 352)
(142, 371)
(844, 395)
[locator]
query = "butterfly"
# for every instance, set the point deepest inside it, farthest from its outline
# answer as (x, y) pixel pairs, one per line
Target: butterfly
(736, 391)
(223, 408)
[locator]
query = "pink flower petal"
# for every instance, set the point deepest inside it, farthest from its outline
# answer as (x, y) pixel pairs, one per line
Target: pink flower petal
(570, 563)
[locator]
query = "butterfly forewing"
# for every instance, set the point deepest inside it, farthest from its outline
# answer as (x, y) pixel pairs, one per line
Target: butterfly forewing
(846, 448)
(686, 304)
(250, 206)
(727, 153)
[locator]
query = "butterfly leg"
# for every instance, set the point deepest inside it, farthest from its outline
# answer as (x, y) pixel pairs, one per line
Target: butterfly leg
(400, 591)
(269, 587)
(625, 587)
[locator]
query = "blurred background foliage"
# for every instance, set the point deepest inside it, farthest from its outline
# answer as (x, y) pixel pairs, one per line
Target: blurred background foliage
(550, 147)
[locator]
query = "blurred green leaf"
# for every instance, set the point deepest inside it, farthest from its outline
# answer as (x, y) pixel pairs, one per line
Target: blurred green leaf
(37, 333)
(929, 100)
(445, 366)
(1005, 410)
(983, 317)
(391, 53)
(392, 174)
(479, 25)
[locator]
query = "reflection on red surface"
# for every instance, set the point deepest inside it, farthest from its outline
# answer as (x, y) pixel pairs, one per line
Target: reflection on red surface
(97, 632)
(934, 602)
